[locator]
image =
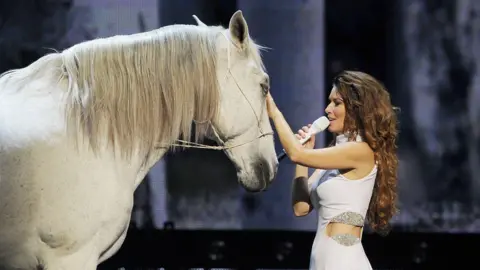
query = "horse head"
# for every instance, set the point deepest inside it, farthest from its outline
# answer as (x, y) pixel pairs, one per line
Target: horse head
(242, 124)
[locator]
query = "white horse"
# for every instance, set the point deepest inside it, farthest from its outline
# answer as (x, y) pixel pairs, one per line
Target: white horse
(80, 129)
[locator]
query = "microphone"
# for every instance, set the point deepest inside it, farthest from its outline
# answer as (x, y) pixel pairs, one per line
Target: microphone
(318, 125)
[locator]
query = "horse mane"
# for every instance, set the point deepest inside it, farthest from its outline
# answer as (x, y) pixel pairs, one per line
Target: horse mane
(132, 92)
(118, 85)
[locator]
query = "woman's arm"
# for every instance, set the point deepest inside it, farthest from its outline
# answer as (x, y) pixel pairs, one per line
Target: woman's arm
(345, 156)
(301, 203)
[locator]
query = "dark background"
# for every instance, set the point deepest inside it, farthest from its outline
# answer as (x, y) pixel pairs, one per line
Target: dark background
(426, 52)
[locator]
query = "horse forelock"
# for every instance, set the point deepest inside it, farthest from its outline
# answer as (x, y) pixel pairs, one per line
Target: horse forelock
(135, 91)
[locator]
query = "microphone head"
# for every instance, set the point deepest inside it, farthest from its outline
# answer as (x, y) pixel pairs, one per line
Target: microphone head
(319, 125)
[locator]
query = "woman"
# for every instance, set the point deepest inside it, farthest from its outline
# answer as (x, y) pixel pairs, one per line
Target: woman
(355, 179)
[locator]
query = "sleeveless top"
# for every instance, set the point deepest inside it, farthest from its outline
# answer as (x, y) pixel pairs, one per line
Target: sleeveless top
(338, 199)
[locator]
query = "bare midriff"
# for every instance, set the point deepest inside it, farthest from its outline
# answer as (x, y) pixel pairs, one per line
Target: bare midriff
(334, 228)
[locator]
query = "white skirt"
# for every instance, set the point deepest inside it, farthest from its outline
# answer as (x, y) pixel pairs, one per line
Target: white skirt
(331, 253)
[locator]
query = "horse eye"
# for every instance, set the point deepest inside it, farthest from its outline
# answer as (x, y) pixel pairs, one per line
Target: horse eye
(265, 88)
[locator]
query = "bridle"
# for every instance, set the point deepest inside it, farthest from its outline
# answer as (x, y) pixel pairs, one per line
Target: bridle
(224, 145)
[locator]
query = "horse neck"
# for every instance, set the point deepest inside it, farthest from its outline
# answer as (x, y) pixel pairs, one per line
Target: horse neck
(136, 165)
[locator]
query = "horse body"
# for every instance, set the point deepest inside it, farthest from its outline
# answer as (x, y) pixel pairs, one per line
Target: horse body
(68, 215)
(61, 205)
(75, 143)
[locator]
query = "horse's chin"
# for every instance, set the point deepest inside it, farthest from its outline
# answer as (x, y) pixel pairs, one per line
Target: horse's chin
(255, 180)
(252, 185)
(256, 174)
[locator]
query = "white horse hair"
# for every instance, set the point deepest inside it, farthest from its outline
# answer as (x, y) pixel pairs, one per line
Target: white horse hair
(80, 129)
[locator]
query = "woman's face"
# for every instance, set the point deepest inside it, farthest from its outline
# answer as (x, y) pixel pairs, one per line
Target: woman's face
(335, 112)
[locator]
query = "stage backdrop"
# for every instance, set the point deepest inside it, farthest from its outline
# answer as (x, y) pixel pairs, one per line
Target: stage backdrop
(428, 56)
(426, 52)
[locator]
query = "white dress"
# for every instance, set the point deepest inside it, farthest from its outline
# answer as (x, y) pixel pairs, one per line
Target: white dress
(338, 199)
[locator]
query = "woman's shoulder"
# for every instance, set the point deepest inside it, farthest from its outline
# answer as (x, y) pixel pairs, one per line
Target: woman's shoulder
(359, 150)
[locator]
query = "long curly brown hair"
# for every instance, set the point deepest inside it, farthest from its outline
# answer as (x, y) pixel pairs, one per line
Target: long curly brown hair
(370, 114)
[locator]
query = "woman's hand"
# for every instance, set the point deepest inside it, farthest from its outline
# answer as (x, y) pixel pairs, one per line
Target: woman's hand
(272, 109)
(302, 133)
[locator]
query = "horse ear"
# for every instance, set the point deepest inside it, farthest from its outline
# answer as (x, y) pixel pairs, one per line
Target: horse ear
(199, 22)
(239, 29)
